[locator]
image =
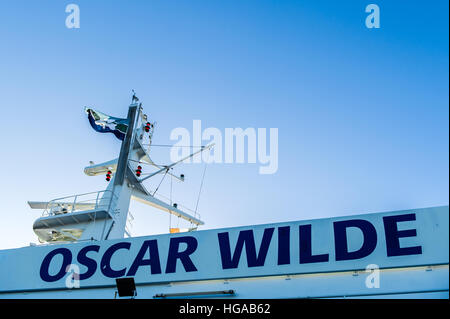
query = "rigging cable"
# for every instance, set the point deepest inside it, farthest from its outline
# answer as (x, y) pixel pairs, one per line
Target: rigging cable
(170, 215)
(168, 145)
(199, 192)
(160, 182)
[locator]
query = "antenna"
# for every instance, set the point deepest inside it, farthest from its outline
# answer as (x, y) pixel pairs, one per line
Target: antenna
(134, 97)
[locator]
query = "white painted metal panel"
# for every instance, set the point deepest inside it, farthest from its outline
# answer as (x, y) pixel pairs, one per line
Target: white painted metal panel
(20, 268)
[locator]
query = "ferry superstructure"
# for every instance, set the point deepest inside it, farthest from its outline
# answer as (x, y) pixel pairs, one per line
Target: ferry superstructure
(84, 252)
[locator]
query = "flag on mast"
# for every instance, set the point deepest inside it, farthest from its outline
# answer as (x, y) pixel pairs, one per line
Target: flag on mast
(104, 123)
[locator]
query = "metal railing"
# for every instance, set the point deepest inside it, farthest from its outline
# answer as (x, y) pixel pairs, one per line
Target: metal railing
(104, 199)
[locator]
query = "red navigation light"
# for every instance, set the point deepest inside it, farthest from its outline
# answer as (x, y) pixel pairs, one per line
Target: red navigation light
(139, 171)
(108, 176)
(147, 127)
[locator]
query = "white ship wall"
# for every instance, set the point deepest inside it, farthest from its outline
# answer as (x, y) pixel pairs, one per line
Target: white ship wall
(410, 248)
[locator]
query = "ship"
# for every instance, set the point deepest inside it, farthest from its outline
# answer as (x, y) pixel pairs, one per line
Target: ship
(86, 251)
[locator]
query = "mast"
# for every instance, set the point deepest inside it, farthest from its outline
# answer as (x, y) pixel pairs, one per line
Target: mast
(122, 189)
(105, 217)
(125, 148)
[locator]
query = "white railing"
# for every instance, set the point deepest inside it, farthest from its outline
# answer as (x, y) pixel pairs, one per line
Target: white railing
(104, 199)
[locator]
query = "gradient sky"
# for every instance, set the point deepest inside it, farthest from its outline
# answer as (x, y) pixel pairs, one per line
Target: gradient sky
(362, 113)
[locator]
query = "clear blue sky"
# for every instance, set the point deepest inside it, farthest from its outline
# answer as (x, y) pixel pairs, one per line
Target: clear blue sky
(362, 113)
